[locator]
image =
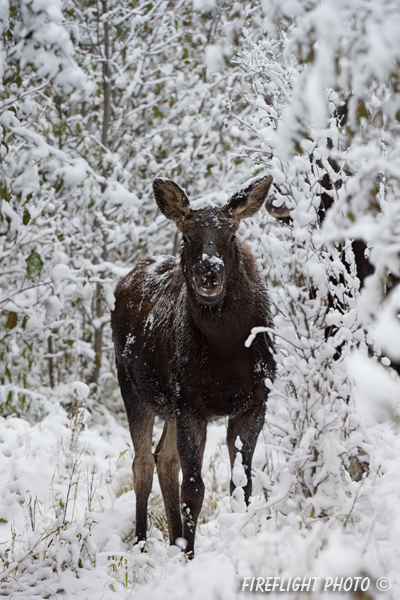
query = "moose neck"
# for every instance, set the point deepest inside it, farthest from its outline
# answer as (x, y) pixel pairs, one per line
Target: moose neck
(228, 323)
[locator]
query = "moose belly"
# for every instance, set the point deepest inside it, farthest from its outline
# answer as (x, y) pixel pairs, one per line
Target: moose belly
(230, 403)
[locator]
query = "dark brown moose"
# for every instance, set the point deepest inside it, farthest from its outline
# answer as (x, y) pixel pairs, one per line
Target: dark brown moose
(179, 329)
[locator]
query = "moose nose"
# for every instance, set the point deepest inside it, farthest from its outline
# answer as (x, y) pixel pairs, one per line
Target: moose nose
(209, 278)
(207, 289)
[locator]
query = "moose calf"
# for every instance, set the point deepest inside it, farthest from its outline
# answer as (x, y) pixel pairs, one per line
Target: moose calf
(179, 329)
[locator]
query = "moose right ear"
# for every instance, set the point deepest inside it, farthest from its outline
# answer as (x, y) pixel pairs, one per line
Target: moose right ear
(278, 212)
(247, 202)
(172, 200)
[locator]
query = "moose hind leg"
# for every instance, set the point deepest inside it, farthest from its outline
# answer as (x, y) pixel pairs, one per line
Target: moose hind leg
(141, 423)
(247, 426)
(168, 465)
(141, 429)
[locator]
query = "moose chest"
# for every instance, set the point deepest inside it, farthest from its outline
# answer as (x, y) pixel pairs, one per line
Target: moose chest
(228, 382)
(214, 381)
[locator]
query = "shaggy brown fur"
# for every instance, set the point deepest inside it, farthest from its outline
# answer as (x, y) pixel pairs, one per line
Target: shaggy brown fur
(179, 328)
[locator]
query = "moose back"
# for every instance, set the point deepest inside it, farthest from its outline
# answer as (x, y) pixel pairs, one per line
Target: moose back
(179, 329)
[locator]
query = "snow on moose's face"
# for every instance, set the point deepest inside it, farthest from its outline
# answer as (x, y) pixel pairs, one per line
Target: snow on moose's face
(208, 252)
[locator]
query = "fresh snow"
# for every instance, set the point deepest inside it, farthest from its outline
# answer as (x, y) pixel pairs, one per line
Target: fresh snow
(40, 464)
(213, 94)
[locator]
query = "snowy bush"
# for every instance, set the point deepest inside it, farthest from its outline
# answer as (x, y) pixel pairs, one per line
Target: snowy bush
(99, 98)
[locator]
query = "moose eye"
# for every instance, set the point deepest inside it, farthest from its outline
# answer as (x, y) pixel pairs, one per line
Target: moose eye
(232, 238)
(185, 240)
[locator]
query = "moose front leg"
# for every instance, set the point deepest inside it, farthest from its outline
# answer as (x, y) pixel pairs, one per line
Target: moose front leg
(191, 439)
(247, 426)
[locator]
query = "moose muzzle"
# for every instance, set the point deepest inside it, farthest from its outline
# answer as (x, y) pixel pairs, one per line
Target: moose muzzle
(209, 276)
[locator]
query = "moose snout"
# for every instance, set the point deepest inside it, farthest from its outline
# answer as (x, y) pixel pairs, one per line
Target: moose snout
(209, 276)
(208, 289)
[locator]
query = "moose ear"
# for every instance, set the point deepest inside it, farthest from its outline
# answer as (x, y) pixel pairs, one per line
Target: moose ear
(247, 202)
(172, 200)
(278, 212)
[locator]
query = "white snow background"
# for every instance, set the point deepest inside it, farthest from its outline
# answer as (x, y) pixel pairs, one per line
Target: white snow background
(212, 93)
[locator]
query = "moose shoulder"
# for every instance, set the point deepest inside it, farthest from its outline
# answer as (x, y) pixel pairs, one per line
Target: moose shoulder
(179, 329)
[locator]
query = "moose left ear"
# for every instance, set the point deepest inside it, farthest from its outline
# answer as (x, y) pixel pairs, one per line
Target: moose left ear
(247, 202)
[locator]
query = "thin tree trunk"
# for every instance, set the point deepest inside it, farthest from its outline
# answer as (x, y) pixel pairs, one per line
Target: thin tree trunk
(98, 306)
(50, 360)
(98, 335)
(106, 81)
(175, 246)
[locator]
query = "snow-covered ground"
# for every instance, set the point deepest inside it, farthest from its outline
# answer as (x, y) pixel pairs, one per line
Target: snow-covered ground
(219, 92)
(67, 504)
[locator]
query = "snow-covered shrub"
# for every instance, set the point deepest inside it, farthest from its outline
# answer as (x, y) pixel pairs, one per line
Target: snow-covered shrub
(98, 98)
